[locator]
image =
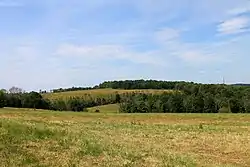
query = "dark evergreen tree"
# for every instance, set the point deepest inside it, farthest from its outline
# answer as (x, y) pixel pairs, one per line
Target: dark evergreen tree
(2, 99)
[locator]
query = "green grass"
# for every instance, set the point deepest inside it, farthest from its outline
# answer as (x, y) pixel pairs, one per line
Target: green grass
(110, 108)
(45, 138)
(97, 93)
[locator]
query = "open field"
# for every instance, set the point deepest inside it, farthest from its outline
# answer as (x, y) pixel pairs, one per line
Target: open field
(44, 138)
(98, 93)
(110, 108)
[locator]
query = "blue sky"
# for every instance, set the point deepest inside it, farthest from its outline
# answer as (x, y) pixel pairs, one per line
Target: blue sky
(62, 43)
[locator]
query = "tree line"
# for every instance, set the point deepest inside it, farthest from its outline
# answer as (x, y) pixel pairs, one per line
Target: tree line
(187, 97)
(183, 103)
(141, 84)
(69, 89)
(138, 84)
(126, 84)
(36, 101)
(192, 98)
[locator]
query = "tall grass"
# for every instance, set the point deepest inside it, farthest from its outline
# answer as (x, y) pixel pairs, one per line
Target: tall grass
(45, 138)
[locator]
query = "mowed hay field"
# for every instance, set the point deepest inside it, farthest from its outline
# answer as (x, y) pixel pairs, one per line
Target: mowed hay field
(99, 93)
(45, 138)
(110, 108)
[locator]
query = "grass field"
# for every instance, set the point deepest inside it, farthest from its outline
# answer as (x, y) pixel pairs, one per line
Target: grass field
(110, 108)
(97, 93)
(44, 138)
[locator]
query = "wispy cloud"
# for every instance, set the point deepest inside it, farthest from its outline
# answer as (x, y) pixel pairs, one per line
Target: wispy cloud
(167, 35)
(191, 53)
(104, 52)
(127, 39)
(238, 11)
(198, 57)
(234, 26)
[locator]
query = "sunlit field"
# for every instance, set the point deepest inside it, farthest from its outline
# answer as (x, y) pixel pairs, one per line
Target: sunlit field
(110, 108)
(45, 138)
(99, 93)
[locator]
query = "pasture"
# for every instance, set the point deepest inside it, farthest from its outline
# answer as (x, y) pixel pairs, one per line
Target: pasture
(110, 108)
(45, 138)
(86, 94)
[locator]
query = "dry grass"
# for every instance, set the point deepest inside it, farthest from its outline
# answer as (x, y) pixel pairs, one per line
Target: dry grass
(110, 108)
(44, 138)
(98, 93)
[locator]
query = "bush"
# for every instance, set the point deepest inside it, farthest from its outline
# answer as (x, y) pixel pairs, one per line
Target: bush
(2, 99)
(224, 110)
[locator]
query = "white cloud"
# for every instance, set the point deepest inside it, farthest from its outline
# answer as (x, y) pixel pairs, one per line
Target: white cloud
(194, 12)
(194, 57)
(241, 8)
(234, 26)
(132, 43)
(238, 11)
(102, 52)
(167, 35)
(191, 53)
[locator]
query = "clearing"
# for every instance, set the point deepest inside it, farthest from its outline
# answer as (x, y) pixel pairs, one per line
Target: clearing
(109, 108)
(99, 93)
(45, 138)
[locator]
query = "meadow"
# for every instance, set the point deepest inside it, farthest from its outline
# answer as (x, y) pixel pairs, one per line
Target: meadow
(44, 138)
(86, 94)
(110, 108)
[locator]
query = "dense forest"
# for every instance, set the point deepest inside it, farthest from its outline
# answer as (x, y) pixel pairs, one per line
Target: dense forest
(187, 97)
(141, 84)
(199, 102)
(69, 89)
(37, 101)
(127, 84)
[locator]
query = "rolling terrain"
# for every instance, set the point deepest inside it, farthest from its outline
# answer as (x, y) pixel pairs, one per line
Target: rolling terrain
(109, 108)
(99, 93)
(45, 138)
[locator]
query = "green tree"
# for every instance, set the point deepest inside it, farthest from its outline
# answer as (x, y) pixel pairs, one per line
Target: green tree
(2, 99)
(33, 100)
(247, 105)
(76, 104)
(235, 105)
(117, 98)
(210, 105)
(198, 104)
(175, 103)
(188, 103)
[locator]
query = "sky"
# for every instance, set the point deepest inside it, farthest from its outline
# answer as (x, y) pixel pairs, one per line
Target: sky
(48, 44)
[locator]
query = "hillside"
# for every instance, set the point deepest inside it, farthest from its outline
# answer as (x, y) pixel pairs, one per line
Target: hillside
(99, 93)
(109, 108)
(144, 96)
(241, 84)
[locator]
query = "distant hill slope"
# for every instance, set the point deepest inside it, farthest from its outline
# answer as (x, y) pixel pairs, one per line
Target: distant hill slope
(241, 84)
(99, 93)
(129, 84)
(110, 108)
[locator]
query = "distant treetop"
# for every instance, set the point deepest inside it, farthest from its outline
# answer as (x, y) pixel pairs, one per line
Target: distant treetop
(140, 84)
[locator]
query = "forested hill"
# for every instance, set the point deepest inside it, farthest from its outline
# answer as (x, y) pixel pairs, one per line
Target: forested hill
(241, 84)
(185, 97)
(156, 84)
(142, 84)
(130, 84)
(147, 84)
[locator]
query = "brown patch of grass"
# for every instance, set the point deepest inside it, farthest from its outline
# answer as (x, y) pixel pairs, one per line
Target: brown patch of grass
(106, 139)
